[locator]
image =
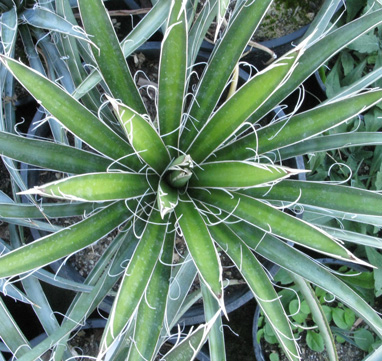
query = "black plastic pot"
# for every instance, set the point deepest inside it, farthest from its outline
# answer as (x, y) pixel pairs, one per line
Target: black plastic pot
(328, 261)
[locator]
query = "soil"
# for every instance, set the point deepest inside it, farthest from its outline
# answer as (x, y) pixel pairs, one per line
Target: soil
(86, 342)
(285, 17)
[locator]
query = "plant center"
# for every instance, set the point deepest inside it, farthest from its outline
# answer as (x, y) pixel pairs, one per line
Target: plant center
(180, 171)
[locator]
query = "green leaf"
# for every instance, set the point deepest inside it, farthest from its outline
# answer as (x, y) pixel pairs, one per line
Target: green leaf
(327, 196)
(282, 277)
(216, 336)
(57, 210)
(260, 285)
(349, 317)
(201, 246)
(317, 54)
(366, 44)
(136, 278)
(151, 312)
(230, 116)
(11, 333)
(199, 29)
(260, 335)
(328, 312)
(179, 289)
(274, 357)
(142, 136)
(220, 67)
(269, 334)
(70, 113)
(172, 75)
(339, 318)
(329, 142)
(97, 187)
(315, 341)
(361, 280)
(295, 310)
(108, 54)
(296, 262)
(353, 237)
(364, 339)
(84, 303)
(298, 128)
(375, 258)
(146, 27)
(45, 19)
(188, 348)
(272, 220)
(238, 174)
(60, 244)
(347, 62)
(167, 198)
(333, 80)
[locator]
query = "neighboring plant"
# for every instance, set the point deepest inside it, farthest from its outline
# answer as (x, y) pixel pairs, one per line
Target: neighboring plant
(360, 59)
(206, 169)
(359, 167)
(341, 319)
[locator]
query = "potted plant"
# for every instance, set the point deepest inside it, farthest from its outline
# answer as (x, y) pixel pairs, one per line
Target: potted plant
(307, 322)
(200, 169)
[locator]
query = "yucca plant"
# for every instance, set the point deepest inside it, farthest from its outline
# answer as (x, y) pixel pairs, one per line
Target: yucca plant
(206, 169)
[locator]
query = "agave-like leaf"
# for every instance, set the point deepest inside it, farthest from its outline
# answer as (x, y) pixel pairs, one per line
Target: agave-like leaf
(183, 278)
(142, 136)
(84, 302)
(137, 275)
(8, 29)
(359, 85)
(329, 142)
(172, 75)
(296, 262)
(322, 19)
(108, 54)
(220, 67)
(315, 214)
(199, 29)
(41, 305)
(259, 283)
(299, 128)
(319, 53)
(9, 289)
(216, 336)
(69, 112)
(97, 187)
(188, 348)
(274, 221)
(318, 315)
(237, 174)
(150, 315)
(60, 244)
(329, 196)
(353, 237)
(146, 27)
(240, 106)
(376, 355)
(201, 246)
(46, 19)
(74, 60)
(50, 155)
(11, 333)
(138, 36)
(167, 198)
